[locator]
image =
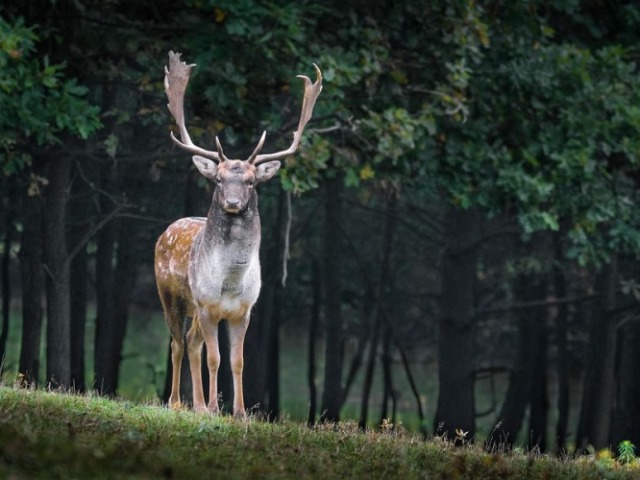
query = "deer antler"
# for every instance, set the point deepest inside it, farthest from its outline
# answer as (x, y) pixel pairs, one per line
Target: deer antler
(311, 92)
(176, 79)
(252, 157)
(221, 155)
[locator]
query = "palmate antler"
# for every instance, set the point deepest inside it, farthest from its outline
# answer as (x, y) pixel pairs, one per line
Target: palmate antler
(175, 84)
(176, 79)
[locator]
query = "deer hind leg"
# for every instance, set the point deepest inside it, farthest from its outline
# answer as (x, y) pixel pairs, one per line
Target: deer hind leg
(173, 314)
(194, 344)
(177, 351)
(237, 332)
(209, 330)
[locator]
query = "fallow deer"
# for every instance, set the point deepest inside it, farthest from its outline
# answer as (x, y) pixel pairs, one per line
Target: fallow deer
(208, 268)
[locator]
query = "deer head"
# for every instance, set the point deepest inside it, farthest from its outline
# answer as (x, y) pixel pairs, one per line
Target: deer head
(235, 180)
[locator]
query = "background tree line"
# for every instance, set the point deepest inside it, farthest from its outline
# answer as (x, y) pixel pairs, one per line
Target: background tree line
(466, 192)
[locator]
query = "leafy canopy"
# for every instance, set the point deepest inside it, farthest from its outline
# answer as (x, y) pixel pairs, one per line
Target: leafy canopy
(36, 100)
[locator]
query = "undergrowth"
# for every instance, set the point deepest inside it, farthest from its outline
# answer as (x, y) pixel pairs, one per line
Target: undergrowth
(55, 435)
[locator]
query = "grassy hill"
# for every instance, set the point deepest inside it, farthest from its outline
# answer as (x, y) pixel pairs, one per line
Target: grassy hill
(53, 435)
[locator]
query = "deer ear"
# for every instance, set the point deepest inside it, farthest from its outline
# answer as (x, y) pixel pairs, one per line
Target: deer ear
(207, 167)
(265, 171)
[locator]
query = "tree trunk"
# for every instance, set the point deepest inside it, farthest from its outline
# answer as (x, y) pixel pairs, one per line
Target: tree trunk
(368, 376)
(562, 363)
(5, 278)
(32, 279)
(505, 432)
(125, 278)
(599, 386)
(79, 298)
(115, 283)
(79, 276)
(332, 390)
(105, 314)
(273, 358)
(538, 400)
(277, 293)
(57, 278)
(388, 394)
(369, 305)
(380, 291)
(311, 345)
(527, 381)
(414, 388)
(455, 409)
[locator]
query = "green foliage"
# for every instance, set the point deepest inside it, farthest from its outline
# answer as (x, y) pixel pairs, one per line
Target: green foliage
(52, 435)
(627, 452)
(550, 135)
(312, 160)
(36, 100)
(501, 110)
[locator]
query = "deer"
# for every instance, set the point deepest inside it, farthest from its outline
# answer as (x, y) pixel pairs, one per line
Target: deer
(208, 268)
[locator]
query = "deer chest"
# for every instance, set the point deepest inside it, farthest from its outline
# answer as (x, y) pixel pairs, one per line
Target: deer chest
(226, 283)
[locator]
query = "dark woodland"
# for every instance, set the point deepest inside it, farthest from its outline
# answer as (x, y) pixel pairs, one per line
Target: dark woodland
(463, 197)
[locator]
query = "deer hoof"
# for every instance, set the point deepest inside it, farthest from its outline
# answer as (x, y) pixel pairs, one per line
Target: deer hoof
(200, 408)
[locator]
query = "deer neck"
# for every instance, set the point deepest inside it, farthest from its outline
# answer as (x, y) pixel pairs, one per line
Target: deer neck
(224, 267)
(234, 236)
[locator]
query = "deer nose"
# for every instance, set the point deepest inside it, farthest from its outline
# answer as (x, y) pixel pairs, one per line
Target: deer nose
(232, 203)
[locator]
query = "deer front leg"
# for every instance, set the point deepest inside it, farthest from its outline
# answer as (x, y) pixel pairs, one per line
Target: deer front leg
(237, 331)
(209, 329)
(194, 343)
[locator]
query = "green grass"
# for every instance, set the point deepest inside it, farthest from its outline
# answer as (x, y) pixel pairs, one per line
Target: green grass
(54, 435)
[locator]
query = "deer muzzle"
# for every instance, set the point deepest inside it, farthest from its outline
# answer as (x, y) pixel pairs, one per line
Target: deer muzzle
(232, 205)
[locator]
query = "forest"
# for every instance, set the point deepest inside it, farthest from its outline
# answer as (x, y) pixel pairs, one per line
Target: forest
(462, 203)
